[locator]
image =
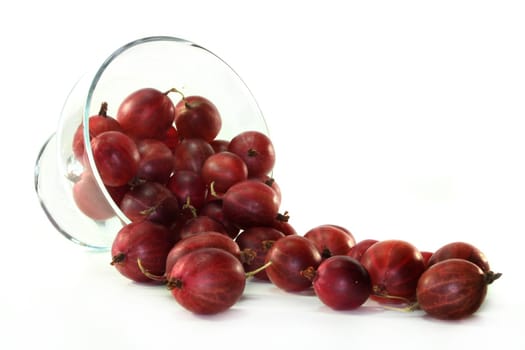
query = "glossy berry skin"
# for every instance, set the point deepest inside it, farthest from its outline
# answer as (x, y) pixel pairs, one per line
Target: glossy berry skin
(270, 181)
(206, 239)
(360, 248)
(453, 288)
(156, 161)
(117, 193)
(171, 138)
(214, 210)
(150, 201)
(394, 267)
(188, 187)
(90, 199)
(201, 223)
(342, 283)
(426, 256)
(142, 240)
(146, 113)
(97, 125)
(219, 145)
(284, 226)
(190, 154)
(257, 241)
(207, 281)
(250, 203)
(330, 240)
(197, 117)
(223, 170)
(293, 262)
(460, 250)
(116, 157)
(257, 151)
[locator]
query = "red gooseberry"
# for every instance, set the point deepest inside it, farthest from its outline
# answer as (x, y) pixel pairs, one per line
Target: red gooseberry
(207, 281)
(342, 283)
(394, 267)
(453, 288)
(292, 262)
(138, 244)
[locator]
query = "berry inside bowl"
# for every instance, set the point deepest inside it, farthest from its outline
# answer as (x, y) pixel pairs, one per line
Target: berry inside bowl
(81, 179)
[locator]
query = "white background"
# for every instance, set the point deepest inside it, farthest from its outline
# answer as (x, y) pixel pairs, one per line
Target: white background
(399, 119)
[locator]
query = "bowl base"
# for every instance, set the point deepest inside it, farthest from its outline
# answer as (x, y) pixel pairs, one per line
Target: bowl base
(54, 191)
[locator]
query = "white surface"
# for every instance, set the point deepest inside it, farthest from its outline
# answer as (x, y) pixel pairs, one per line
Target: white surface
(396, 120)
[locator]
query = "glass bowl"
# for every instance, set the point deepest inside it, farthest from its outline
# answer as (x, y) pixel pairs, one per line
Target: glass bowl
(159, 62)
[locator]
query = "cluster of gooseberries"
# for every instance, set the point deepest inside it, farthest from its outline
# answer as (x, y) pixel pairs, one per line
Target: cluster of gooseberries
(205, 217)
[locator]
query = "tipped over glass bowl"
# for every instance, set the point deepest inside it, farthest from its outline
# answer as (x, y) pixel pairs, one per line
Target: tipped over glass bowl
(160, 62)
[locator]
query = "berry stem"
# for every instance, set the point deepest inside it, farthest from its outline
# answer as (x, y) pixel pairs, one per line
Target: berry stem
(186, 103)
(283, 217)
(174, 283)
(409, 308)
(189, 206)
(247, 256)
(103, 109)
(490, 277)
(149, 274)
(379, 292)
(267, 244)
(150, 210)
(177, 91)
(256, 271)
(270, 181)
(212, 189)
(118, 258)
(309, 273)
